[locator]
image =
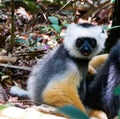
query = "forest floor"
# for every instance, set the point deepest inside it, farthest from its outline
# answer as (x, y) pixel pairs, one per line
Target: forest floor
(35, 35)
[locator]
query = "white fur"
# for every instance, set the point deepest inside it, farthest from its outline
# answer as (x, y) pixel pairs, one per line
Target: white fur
(75, 31)
(14, 90)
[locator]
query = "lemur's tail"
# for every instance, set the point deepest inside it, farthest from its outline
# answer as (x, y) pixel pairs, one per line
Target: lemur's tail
(17, 91)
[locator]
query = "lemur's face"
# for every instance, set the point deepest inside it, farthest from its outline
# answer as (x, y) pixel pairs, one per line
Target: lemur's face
(85, 45)
(84, 40)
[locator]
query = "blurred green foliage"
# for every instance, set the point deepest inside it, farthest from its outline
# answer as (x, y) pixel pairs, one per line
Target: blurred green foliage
(29, 5)
(3, 107)
(54, 25)
(117, 90)
(72, 112)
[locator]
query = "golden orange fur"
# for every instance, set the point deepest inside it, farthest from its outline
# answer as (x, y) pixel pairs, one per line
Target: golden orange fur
(64, 92)
(95, 62)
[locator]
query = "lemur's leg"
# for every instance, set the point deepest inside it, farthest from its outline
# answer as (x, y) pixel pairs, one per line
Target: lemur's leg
(60, 93)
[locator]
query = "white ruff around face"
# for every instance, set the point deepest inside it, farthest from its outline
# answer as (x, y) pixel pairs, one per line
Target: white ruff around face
(75, 31)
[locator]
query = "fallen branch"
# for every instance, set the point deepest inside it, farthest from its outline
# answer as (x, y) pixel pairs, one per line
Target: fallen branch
(15, 67)
(33, 51)
(5, 59)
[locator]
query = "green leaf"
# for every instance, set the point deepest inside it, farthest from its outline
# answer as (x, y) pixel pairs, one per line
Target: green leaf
(73, 112)
(1, 73)
(31, 5)
(66, 24)
(105, 27)
(117, 90)
(119, 114)
(112, 1)
(2, 5)
(20, 40)
(56, 27)
(114, 27)
(33, 48)
(46, 29)
(53, 20)
(2, 107)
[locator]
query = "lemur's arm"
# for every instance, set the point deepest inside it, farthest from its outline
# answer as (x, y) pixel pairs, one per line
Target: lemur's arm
(96, 62)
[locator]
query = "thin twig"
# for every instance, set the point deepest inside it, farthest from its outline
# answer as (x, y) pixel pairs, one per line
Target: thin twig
(62, 7)
(16, 67)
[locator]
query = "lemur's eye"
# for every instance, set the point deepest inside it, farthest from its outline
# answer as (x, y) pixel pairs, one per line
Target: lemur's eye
(92, 42)
(79, 42)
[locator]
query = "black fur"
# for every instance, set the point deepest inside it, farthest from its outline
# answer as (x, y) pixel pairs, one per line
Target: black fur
(100, 92)
(86, 25)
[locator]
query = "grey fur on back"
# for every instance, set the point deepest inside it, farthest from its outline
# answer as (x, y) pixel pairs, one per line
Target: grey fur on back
(42, 72)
